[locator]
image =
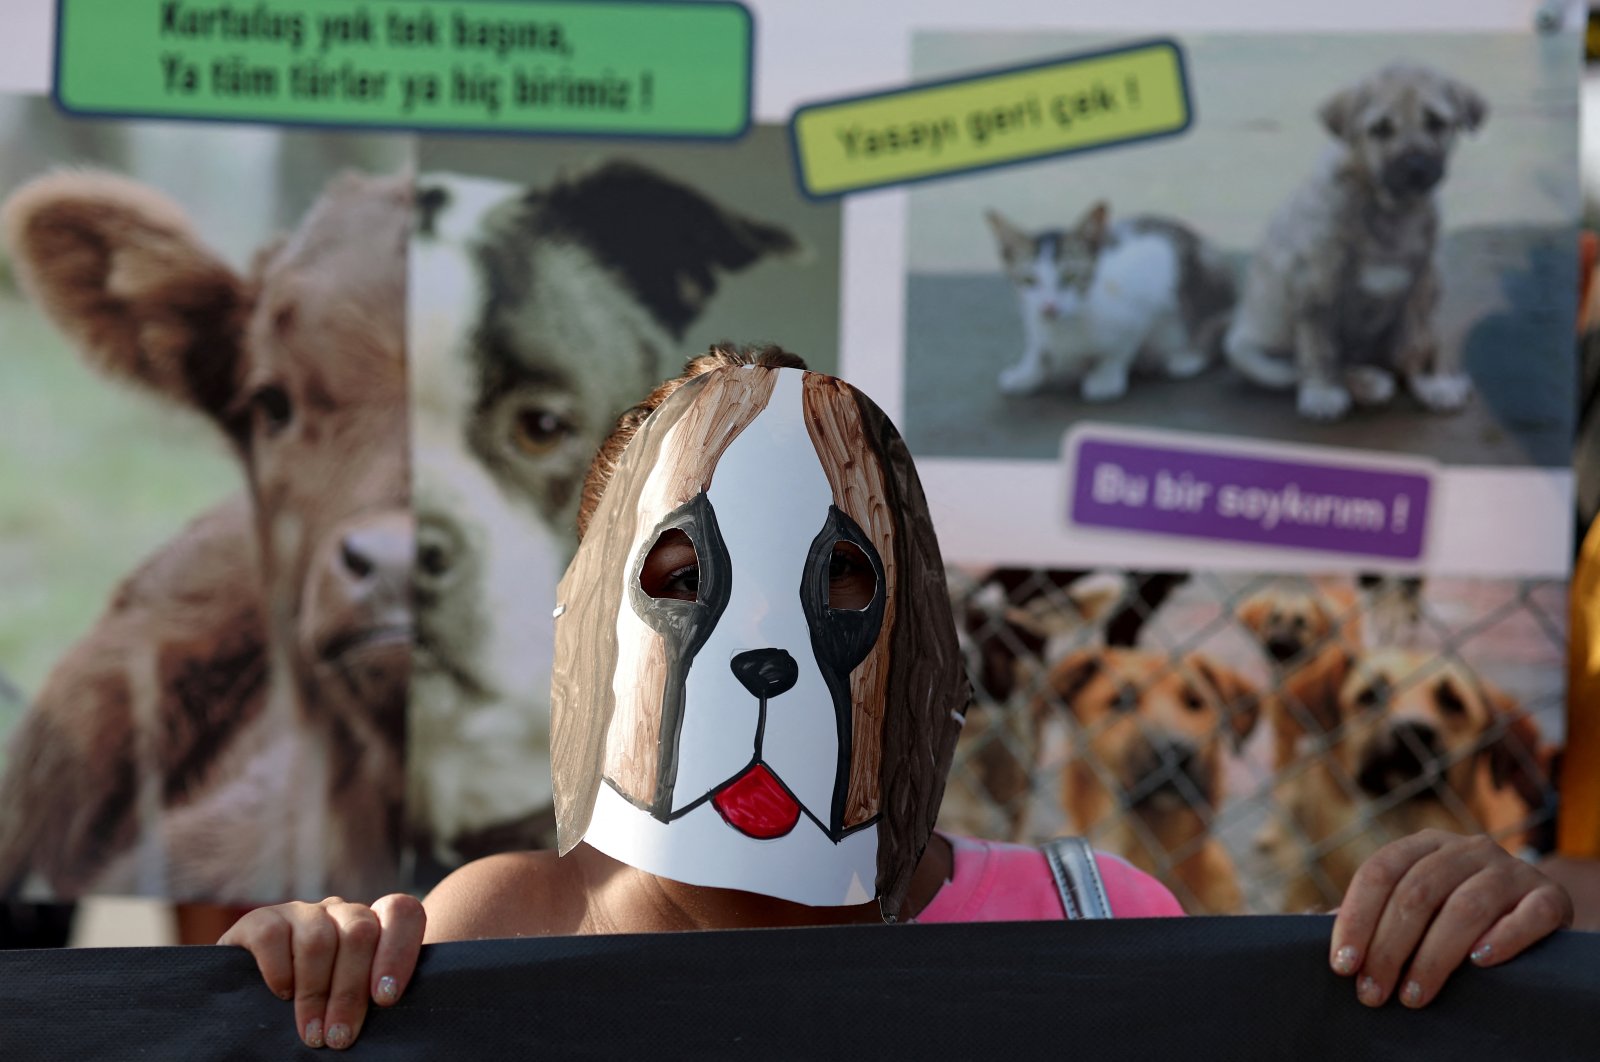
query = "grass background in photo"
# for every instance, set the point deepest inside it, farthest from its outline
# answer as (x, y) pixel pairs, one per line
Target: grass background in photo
(93, 478)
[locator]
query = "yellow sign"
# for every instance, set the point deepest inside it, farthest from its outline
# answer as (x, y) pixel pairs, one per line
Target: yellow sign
(991, 119)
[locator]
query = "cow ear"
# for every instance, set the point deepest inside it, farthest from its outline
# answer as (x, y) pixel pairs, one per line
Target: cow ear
(666, 240)
(117, 268)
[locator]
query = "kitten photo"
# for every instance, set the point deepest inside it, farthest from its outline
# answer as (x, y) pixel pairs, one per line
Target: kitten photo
(1103, 299)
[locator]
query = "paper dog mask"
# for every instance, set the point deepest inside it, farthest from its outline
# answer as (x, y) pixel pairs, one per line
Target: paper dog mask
(745, 729)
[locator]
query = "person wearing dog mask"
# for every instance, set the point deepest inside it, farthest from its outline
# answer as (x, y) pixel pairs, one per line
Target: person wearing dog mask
(756, 697)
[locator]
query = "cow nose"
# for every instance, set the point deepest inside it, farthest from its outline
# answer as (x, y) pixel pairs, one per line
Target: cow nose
(765, 672)
(439, 549)
(376, 552)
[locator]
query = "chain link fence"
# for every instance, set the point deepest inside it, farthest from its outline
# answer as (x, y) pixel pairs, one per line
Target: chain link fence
(1250, 739)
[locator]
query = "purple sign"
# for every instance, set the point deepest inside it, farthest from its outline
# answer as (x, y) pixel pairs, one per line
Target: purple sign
(1189, 493)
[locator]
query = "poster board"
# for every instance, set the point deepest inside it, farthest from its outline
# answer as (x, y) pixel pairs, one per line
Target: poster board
(902, 288)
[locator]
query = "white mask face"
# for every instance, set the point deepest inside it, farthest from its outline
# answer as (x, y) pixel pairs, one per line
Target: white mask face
(752, 561)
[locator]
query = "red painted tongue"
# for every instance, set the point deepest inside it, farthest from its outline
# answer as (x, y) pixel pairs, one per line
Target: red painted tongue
(756, 805)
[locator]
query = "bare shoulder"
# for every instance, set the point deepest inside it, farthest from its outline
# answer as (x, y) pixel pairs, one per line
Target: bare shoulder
(513, 894)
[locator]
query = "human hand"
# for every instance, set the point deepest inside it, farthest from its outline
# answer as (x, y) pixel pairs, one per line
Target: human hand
(332, 957)
(1429, 901)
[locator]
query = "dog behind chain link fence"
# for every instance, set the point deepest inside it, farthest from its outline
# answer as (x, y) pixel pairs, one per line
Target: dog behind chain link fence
(1249, 739)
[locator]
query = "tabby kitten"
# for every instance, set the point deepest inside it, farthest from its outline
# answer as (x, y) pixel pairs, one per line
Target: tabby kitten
(1101, 300)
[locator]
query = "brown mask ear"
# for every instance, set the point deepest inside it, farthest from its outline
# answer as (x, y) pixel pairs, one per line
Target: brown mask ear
(928, 691)
(118, 269)
(1239, 699)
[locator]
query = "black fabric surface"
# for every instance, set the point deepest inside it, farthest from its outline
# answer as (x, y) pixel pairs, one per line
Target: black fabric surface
(1224, 988)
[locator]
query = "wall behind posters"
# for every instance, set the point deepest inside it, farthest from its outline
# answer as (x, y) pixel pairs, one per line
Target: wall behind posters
(1468, 624)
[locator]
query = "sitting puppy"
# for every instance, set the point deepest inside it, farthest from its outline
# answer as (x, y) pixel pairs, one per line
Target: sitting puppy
(1340, 297)
(1143, 774)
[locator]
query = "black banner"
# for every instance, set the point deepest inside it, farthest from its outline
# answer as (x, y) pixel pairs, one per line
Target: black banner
(1224, 988)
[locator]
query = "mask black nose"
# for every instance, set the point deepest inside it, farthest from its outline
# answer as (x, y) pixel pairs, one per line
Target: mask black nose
(765, 672)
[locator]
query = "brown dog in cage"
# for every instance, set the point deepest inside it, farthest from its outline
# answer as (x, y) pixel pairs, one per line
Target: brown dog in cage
(1426, 744)
(1311, 633)
(1143, 768)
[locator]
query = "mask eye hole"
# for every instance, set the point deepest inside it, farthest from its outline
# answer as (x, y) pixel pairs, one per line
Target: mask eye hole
(671, 569)
(851, 580)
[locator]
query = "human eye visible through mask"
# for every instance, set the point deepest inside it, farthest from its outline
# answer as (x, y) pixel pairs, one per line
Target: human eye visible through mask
(671, 569)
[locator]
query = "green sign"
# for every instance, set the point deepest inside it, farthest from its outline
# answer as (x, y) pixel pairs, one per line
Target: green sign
(606, 67)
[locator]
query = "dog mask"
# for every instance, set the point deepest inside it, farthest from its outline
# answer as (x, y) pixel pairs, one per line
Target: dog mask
(760, 728)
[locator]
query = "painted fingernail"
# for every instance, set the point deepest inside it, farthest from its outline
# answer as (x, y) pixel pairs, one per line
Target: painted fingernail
(388, 990)
(1346, 959)
(1411, 994)
(339, 1036)
(1369, 991)
(313, 1035)
(1481, 955)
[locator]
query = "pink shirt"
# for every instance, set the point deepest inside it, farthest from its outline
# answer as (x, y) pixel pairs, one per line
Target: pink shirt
(996, 882)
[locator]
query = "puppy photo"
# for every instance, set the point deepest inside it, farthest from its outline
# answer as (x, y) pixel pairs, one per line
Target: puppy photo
(1340, 298)
(1382, 229)
(551, 289)
(1139, 742)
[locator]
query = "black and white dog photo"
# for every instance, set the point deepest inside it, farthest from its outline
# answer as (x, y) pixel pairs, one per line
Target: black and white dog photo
(538, 313)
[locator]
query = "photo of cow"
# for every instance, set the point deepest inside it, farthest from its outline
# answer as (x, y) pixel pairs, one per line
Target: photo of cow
(207, 510)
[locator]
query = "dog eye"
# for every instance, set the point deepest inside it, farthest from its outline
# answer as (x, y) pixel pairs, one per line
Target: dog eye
(851, 580)
(1449, 700)
(1192, 700)
(671, 570)
(1382, 129)
(1434, 122)
(536, 432)
(271, 409)
(1367, 697)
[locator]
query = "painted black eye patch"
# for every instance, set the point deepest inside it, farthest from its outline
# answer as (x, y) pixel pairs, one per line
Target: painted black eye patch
(684, 625)
(840, 637)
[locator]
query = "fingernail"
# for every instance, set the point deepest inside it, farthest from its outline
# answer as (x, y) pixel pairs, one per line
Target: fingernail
(1346, 959)
(1481, 956)
(1411, 994)
(388, 990)
(339, 1036)
(314, 1033)
(1369, 991)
